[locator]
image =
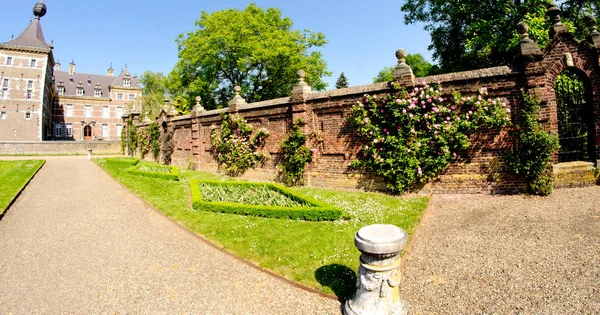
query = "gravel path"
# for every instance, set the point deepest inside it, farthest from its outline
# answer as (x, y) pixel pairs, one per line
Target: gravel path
(506, 255)
(75, 241)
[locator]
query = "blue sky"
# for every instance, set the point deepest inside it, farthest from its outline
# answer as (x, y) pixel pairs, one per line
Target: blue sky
(363, 35)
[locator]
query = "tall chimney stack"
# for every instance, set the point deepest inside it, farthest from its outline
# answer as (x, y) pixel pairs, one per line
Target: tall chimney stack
(110, 72)
(72, 68)
(57, 66)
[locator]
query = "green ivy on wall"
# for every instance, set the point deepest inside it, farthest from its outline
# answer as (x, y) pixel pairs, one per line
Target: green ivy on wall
(295, 156)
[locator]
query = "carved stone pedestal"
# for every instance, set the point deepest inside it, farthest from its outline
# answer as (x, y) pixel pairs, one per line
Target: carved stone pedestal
(379, 272)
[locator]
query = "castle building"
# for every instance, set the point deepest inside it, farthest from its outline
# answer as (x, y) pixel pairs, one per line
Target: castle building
(40, 102)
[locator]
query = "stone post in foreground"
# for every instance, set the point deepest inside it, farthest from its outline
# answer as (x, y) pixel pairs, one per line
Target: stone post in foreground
(378, 278)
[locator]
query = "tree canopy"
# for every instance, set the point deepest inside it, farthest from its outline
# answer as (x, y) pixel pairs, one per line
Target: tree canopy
(420, 67)
(342, 82)
(476, 34)
(254, 48)
(153, 93)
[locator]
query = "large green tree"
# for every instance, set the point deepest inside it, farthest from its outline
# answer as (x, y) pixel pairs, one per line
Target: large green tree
(153, 93)
(254, 48)
(470, 34)
(420, 67)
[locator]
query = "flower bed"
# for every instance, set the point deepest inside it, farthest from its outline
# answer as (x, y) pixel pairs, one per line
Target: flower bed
(124, 161)
(156, 171)
(259, 199)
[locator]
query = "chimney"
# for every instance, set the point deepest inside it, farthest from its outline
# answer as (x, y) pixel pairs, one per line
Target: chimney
(72, 68)
(110, 72)
(57, 66)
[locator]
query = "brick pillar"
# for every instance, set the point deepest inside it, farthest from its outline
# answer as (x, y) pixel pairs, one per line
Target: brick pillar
(403, 73)
(300, 110)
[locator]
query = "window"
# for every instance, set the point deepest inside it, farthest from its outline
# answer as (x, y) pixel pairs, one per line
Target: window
(126, 82)
(119, 130)
(88, 111)
(61, 90)
(105, 131)
(132, 97)
(5, 89)
(8, 61)
(79, 91)
(69, 111)
(119, 112)
(33, 63)
(2, 115)
(105, 112)
(28, 115)
(29, 89)
(97, 93)
(59, 130)
(69, 130)
(120, 96)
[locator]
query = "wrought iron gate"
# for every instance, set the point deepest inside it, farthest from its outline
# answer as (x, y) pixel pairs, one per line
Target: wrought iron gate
(574, 118)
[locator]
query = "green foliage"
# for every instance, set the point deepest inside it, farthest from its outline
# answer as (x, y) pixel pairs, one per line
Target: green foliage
(295, 156)
(167, 146)
(472, 34)
(573, 121)
(123, 162)
(15, 175)
(411, 138)
(254, 48)
(304, 208)
(236, 147)
(133, 138)
(342, 82)
(155, 171)
(420, 67)
(533, 153)
(154, 131)
(320, 254)
(154, 84)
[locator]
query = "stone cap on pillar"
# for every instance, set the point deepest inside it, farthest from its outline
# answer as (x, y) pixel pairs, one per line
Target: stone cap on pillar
(301, 86)
(403, 71)
(198, 108)
(594, 37)
(528, 47)
(380, 239)
(554, 14)
(237, 100)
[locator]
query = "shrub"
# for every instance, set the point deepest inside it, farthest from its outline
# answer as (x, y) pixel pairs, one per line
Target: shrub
(236, 147)
(123, 162)
(301, 207)
(155, 171)
(295, 156)
(532, 155)
(410, 138)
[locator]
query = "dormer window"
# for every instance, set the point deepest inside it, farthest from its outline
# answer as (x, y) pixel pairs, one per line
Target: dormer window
(97, 93)
(126, 82)
(61, 90)
(79, 91)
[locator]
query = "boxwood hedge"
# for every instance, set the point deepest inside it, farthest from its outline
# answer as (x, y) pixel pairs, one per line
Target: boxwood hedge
(123, 161)
(156, 171)
(311, 209)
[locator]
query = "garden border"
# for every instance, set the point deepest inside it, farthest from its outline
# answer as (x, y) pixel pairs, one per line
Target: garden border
(174, 175)
(22, 189)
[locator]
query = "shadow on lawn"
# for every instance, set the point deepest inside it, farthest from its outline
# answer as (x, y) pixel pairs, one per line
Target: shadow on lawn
(339, 278)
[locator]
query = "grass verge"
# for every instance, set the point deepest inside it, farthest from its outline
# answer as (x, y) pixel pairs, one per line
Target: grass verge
(317, 254)
(14, 175)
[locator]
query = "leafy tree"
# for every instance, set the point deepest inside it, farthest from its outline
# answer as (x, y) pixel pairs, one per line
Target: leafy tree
(420, 67)
(342, 82)
(154, 92)
(254, 48)
(474, 34)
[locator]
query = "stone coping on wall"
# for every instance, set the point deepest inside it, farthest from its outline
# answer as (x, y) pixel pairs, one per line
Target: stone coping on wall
(468, 75)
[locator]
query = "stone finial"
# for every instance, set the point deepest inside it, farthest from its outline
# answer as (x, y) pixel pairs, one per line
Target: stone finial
(379, 271)
(594, 37)
(557, 26)
(527, 46)
(403, 72)
(198, 108)
(237, 99)
(301, 86)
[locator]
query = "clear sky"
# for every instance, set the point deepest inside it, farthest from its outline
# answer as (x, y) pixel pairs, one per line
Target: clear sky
(363, 35)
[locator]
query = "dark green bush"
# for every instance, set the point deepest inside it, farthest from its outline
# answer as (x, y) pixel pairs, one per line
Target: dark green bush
(155, 171)
(295, 156)
(311, 210)
(123, 162)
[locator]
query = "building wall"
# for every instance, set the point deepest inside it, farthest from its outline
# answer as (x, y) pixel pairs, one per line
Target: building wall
(22, 117)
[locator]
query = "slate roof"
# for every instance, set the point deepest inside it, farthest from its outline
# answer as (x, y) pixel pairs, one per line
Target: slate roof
(32, 37)
(89, 82)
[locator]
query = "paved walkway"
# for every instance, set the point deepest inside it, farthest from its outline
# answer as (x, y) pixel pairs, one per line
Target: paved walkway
(76, 241)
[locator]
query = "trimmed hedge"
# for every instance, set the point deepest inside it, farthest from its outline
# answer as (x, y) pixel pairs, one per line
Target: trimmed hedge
(172, 175)
(123, 162)
(312, 210)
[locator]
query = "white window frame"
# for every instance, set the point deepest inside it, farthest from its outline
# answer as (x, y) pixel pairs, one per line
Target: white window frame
(119, 112)
(105, 112)
(87, 111)
(79, 91)
(59, 130)
(105, 131)
(132, 97)
(97, 93)
(9, 61)
(69, 110)
(119, 130)
(61, 90)
(3, 115)
(126, 82)
(29, 89)
(69, 130)
(27, 115)
(33, 63)
(119, 96)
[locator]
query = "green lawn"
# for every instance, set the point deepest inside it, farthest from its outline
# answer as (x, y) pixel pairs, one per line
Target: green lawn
(13, 176)
(318, 254)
